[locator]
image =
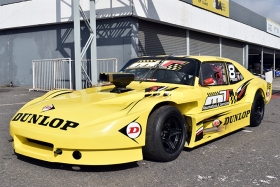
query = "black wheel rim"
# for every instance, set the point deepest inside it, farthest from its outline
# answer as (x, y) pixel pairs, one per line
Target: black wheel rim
(171, 134)
(259, 110)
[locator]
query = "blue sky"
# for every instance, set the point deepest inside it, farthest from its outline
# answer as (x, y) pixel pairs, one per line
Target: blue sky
(267, 8)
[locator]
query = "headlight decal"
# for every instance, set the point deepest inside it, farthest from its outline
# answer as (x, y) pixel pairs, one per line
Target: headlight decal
(48, 107)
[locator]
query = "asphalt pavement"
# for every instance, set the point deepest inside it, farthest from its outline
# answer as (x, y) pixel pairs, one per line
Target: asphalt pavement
(247, 157)
(276, 84)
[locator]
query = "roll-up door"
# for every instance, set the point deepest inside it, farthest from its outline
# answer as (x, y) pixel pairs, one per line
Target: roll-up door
(204, 44)
(255, 47)
(159, 39)
(233, 50)
(268, 50)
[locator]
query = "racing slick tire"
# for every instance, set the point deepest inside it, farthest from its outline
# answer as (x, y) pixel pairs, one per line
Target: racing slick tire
(257, 110)
(165, 134)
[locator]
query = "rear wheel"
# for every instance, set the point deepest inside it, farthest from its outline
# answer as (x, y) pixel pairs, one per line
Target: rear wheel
(257, 110)
(165, 134)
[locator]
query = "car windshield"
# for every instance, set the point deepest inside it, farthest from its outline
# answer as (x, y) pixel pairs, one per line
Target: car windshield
(171, 70)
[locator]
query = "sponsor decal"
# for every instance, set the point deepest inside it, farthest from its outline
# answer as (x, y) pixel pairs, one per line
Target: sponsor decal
(216, 123)
(240, 92)
(199, 134)
(273, 28)
(144, 64)
(267, 93)
(48, 107)
(155, 88)
(268, 90)
(168, 91)
(45, 121)
(168, 64)
(213, 118)
(173, 65)
(132, 130)
(218, 6)
(199, 131)
(225, 97)
(237, 117)
(217, 99)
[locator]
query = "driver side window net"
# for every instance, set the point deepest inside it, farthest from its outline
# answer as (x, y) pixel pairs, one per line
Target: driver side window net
(213, 74)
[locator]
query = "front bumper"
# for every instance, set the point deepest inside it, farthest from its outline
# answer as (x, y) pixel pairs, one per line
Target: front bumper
(87, 157)
(43, 145)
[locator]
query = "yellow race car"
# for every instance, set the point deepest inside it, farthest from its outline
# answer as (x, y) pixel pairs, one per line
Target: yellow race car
(154, 107)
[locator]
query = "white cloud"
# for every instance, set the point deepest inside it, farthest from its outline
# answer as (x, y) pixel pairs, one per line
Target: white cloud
(267, 8)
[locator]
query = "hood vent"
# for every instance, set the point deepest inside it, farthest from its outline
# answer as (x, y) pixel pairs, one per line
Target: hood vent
(120, 80)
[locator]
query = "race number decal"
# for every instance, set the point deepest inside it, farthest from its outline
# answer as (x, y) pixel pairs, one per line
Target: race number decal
(231, 72)
(234, 75)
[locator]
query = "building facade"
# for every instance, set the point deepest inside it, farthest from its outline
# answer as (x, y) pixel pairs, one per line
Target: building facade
(32, 30)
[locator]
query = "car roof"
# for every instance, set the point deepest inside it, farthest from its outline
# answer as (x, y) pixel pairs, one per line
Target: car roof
(200, 58)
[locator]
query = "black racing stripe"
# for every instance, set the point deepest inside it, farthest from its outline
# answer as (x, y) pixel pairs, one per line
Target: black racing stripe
(56, 92)
(136, 119)
(212, 118)
(135, 104)
(213, 93)
(246, 83)
(170, 89)
(61, 94)
(127, 106)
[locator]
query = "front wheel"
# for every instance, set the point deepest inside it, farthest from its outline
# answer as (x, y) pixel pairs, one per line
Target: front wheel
(257, 110)
(165, 134)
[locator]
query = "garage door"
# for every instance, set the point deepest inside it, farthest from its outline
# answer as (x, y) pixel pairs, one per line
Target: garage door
(233, 50)
(159, 39)
(268, 50)
(204, 44)
(255, 47)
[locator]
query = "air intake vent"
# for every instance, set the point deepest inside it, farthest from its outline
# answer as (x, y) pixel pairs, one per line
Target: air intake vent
(40, 143)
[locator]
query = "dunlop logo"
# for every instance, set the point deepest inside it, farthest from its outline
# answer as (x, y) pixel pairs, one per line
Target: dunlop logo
(45, 121)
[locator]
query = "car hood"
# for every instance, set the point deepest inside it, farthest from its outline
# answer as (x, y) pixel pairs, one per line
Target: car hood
(96, 105)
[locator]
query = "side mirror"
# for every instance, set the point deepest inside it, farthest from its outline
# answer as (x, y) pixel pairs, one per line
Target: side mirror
(209, 81)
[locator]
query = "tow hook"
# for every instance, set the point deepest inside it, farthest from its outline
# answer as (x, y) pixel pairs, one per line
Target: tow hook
(58, 151)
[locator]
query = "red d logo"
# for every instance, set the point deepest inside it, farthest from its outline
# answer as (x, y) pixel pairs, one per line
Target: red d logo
(133, 130)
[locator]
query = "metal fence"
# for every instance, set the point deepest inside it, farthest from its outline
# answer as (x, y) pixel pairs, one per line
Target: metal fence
(103, 65)
(107, 65)
(49, 74)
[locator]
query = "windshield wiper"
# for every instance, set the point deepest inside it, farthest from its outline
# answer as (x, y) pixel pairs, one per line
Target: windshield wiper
(156, 68)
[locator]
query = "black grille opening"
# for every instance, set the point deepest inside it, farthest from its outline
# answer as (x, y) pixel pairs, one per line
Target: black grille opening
(40, 142)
